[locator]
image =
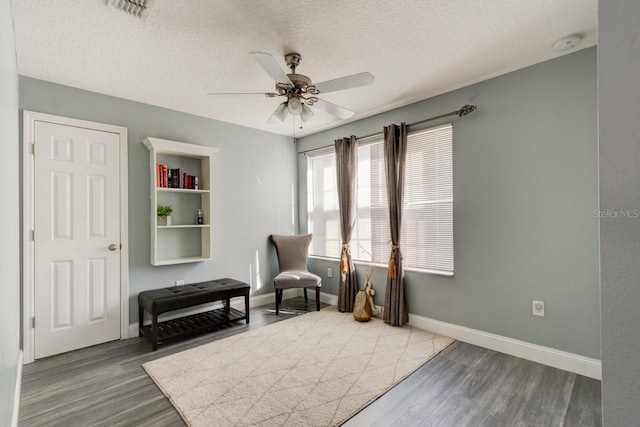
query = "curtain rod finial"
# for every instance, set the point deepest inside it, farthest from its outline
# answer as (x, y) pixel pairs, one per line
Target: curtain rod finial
(466, 110)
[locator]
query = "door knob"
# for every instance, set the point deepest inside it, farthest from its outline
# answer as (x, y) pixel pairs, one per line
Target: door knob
(113, 247)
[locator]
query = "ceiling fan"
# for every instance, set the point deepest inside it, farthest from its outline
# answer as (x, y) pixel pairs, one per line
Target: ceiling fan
(299, 91)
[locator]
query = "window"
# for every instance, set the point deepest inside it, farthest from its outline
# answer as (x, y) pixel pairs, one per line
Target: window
(427, 220)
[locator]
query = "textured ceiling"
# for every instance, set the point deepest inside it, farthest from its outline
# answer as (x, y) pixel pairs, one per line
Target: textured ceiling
(185, 49)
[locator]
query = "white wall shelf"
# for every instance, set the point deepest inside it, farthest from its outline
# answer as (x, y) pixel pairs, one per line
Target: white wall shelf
(181, 260)
(180, 190)
(184, 241)
(184, 226)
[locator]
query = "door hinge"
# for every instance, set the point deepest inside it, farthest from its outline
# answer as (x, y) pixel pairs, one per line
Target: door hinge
(33, 322)
(33, 235)
(33, 148)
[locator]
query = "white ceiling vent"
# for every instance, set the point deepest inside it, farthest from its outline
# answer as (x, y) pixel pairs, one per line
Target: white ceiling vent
(139, 8)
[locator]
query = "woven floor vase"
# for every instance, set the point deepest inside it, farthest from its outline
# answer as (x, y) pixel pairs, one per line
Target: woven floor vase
(362, 307)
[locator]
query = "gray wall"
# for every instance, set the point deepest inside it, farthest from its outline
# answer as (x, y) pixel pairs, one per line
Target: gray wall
(252, 183)
(619, 92)
(525, 190)
(9, 216)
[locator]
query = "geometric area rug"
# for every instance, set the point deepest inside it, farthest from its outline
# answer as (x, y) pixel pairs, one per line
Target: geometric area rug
(317, 369)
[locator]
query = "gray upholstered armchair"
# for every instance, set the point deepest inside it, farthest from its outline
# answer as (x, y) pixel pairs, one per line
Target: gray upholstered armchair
(292, 260)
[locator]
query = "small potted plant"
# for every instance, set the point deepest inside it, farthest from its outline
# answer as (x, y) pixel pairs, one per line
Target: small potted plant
(164, 214)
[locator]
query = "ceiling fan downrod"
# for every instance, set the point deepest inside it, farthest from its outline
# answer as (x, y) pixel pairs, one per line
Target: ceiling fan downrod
(293, 60)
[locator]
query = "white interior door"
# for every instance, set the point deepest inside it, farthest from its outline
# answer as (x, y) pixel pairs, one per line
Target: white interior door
(77, 238)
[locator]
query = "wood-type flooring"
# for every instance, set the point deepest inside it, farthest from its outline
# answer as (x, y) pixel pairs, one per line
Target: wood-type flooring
(464, 385)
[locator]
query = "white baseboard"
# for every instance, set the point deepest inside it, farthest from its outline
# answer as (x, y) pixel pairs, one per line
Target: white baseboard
(237, 303)
(581, 365)
(536, 353)
(324, 297)
(16, 396)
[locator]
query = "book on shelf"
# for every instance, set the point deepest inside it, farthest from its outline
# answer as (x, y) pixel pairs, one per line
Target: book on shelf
(174, 178)
(165, 179)
(178, 178)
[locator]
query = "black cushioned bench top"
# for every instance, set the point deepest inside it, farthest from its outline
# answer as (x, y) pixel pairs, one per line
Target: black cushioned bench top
(175, 298)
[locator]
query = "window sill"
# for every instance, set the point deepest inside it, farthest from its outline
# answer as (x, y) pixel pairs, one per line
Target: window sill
(416, 270)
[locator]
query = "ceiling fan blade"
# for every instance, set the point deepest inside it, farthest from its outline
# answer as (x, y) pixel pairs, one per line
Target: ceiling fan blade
(333, 109)
(279, 114)
(268, 94)
(306, 114)
(269, 64)
(348, 82)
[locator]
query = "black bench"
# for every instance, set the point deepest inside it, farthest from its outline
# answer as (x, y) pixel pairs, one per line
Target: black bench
(160, 301)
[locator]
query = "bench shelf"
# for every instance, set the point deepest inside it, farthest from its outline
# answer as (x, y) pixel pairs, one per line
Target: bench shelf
(195, 324)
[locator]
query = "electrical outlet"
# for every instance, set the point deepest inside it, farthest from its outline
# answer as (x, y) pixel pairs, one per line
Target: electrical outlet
(538, 308)
(329, 272)
(179, 282)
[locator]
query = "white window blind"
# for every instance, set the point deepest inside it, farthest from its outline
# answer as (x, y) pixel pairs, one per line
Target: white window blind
(427, 220)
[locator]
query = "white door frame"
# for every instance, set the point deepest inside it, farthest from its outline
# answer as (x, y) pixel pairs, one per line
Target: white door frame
(29, 120)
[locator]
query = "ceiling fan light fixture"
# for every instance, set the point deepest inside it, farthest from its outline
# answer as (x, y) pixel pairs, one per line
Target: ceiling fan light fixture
(279, 114)
(294, 106)
(307, 113)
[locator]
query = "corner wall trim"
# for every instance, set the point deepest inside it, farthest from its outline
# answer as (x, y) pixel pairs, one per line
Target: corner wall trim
(571, 362)
(16, 397)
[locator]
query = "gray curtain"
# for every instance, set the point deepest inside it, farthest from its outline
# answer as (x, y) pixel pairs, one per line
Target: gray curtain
(347, 174)
(396, 312)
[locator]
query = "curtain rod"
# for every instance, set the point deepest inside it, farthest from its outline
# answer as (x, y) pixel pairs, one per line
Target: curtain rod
(463, 111)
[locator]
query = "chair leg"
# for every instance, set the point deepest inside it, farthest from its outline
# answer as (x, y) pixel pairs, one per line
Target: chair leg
(305, 296)
(246, 306)
(277, 301)
(317, 298)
